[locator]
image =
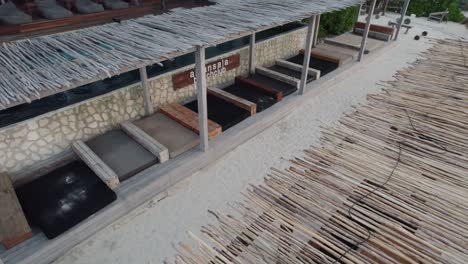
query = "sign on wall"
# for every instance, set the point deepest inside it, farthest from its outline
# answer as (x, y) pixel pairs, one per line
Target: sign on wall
(213, 69)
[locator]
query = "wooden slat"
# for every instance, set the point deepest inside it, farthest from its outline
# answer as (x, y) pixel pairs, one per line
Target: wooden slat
(149, 143)
(278, 76)
(14, 227)
(322, 56)
(376, 28)
(236, 100)
(189, 119)
(96, 164)
(296, 67)
(251, 84)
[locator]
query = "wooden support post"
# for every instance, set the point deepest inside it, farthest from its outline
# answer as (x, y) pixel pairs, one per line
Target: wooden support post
(403, 13)
(316, 31)
(359, 11)
(200, 73)
(163, 4)
(308, 48)
(366, 30)
(146, 94)
(252, 54)
(1, 262)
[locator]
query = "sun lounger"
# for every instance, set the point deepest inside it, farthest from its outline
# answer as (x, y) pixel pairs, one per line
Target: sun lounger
(51, 10)
(11, 15)
(88, 7)
(115, 4)
(439, 16)
(175, 137)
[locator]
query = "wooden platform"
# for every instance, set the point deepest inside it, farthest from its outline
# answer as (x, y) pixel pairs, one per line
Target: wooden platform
(189, 119)
(14, 227)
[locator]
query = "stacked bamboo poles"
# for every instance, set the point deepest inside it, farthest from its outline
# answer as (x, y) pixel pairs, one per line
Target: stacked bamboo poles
(413, 137)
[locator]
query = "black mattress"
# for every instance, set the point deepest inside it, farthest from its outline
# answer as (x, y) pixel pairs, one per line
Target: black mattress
(63, 198)
(287, 89)
(262, 100)
(222, 112)
(325, 67)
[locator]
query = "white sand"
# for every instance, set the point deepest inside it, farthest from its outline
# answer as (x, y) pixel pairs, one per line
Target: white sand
(147, 234)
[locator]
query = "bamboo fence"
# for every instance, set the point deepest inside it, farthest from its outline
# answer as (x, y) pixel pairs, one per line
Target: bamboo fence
(388, 184)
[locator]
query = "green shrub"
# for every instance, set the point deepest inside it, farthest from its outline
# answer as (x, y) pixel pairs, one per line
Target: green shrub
(425, 7)
(337, 22)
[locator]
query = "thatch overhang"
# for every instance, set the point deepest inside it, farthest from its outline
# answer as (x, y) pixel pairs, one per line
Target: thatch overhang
(34, 68)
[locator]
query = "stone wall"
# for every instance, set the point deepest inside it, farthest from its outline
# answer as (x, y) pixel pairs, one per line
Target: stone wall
(48, 135)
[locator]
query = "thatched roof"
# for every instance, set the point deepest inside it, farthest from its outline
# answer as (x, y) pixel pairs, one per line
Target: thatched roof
(38, 67)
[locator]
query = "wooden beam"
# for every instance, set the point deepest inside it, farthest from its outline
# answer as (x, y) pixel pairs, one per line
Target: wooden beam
(307, 49)
(366, 30)
(236, 100)
(14, 227)
(104, 172)
(296, 67)
(189, 119)
(316, 31)
(200, 73)
(146, 94)
(278, 76)
(252, 54)
(149, 143)
(402, 17)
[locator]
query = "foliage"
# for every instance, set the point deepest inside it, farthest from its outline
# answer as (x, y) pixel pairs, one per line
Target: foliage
(425, 7)
(337, 22)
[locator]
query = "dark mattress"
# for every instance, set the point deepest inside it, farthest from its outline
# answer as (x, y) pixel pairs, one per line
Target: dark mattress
(274, 84)
(325, 67)
(222, 112)
(262, 100)
(63, 198)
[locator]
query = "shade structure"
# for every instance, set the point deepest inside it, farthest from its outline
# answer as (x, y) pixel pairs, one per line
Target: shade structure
(61, 199)
(41, 66)
(121, 153)
(222, 112)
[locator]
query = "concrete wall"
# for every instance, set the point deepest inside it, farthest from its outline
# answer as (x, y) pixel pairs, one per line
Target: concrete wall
(43, 137)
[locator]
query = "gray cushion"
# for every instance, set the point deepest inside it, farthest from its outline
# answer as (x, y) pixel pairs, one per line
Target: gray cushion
(11, 15)
(88, 7)
(50, 10)
(115, 4)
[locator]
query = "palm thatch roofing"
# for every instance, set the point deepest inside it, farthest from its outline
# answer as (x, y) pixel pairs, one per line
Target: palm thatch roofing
(34, 68)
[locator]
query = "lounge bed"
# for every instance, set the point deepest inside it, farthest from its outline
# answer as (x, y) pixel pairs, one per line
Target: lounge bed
(221, 111)
(88, 7)
(11, 15)
(51, 10)
(175, 137)
(63, 198)
(122, 154)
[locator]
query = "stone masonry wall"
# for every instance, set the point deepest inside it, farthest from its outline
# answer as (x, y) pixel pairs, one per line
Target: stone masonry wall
(48, 135)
